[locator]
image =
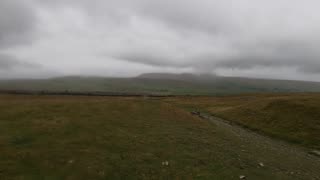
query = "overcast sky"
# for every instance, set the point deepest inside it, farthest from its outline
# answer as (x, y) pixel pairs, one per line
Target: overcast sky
(252, 38)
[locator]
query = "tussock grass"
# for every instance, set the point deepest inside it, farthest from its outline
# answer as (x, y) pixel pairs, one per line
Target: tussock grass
(65, 137)
(292, 117)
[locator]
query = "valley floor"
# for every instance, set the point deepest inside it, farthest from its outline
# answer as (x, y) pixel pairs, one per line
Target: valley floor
(77, 137)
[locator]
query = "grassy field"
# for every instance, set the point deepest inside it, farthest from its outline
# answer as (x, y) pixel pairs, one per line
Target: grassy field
(65, 137)
(292, 117)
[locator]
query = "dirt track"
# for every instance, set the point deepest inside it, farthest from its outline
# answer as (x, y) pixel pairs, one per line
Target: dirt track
(302, 165)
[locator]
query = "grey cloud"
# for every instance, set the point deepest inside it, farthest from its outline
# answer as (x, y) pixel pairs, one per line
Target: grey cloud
(144, 58)
(17, 23)
(8, 62)
(286, 53)
(12, 67)
(305, 59)
(203, 35)
(261, 35)
(183, 15)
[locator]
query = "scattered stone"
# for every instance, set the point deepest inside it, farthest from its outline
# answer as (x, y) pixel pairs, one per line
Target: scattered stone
(197, 113)
(261, 164)
(165, 163)
(315, 152)
(242, 177)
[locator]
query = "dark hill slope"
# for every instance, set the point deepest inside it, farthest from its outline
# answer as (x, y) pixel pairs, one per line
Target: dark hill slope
(161, 83)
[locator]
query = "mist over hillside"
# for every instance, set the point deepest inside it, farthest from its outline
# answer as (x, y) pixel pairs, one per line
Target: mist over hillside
(162, 83)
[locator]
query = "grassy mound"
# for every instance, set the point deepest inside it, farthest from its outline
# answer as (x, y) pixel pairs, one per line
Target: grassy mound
(293, 117)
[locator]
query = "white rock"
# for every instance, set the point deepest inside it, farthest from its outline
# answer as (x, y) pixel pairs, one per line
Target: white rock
(165, 163)
(315, 152)
(261, 164)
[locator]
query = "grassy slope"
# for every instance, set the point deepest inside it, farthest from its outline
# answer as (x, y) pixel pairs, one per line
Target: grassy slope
(127, 138)
(164, 84)
(293, 117)
(105, 85)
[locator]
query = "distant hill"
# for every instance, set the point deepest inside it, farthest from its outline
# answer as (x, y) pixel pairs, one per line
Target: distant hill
(188, 77)
(162, 83)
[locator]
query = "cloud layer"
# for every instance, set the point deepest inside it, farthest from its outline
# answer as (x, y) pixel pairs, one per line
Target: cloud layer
(125, 38)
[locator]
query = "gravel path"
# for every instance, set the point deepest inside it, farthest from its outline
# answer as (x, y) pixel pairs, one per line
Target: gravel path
(278, 155)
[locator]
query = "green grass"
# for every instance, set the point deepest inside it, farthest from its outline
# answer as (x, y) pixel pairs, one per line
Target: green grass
(65, 137)
(292, 117)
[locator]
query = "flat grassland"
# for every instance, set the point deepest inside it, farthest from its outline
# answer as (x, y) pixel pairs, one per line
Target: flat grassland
(75, 137)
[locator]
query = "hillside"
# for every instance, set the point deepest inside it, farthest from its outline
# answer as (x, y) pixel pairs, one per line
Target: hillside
(291, 117)
(161, 83)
